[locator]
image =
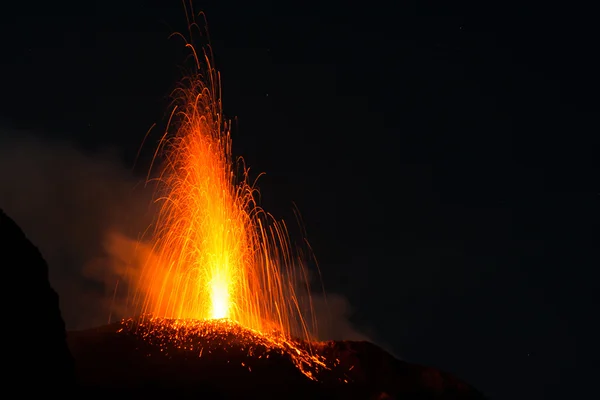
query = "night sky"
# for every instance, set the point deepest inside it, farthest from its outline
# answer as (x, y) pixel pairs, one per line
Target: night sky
(441, 157)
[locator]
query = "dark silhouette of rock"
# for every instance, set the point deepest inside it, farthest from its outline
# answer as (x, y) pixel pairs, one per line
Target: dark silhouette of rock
(36, 345)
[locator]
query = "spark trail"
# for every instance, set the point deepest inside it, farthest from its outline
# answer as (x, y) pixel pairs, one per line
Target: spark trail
(217, 255)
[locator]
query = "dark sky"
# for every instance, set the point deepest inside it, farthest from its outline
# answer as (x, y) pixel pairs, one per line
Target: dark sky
(441, 157)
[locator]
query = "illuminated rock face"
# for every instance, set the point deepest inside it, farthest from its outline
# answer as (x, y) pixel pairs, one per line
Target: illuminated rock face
(37, 348)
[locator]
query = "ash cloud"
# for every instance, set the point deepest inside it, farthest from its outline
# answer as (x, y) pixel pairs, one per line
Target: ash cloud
(86, 211)
(70, 203)
(333, 313)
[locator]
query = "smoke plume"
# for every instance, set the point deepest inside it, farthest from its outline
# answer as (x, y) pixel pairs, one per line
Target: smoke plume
(88, 213)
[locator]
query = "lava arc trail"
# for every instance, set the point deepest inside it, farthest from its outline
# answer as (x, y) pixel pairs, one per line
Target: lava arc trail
(216, 253)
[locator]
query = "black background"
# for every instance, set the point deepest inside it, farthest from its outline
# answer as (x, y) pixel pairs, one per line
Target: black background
(441, 156)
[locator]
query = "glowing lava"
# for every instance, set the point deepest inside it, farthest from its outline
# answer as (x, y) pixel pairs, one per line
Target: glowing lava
(216, 253)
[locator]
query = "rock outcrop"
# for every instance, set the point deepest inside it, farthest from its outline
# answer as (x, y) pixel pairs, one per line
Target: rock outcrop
(36, 350)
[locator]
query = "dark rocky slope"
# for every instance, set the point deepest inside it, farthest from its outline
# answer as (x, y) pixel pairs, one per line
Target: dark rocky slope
(36, 347)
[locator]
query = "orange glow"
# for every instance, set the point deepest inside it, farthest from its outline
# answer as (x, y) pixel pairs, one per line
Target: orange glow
(216, 253)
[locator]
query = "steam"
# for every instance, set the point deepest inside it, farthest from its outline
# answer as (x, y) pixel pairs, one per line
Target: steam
(68, 202)
(87, 212)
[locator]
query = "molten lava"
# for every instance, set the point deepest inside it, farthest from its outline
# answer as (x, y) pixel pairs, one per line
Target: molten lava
(216, 254)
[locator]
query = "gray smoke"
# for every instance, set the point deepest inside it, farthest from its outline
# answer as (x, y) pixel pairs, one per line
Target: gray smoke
(87, 212)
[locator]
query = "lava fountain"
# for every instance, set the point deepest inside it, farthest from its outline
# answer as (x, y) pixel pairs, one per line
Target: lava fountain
(219, 260)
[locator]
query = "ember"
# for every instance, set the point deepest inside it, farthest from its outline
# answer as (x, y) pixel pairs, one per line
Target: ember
(200, 338)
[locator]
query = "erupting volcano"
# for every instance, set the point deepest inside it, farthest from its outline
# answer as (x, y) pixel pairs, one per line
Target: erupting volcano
(217, 255)
(221, 306)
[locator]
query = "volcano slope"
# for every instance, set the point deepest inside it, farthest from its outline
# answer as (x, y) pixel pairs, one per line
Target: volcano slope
(222, 360)
(213, 360)
(34, 331)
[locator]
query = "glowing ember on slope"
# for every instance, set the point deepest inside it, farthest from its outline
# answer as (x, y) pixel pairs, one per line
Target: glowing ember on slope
(216, 254)
(200, 338)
